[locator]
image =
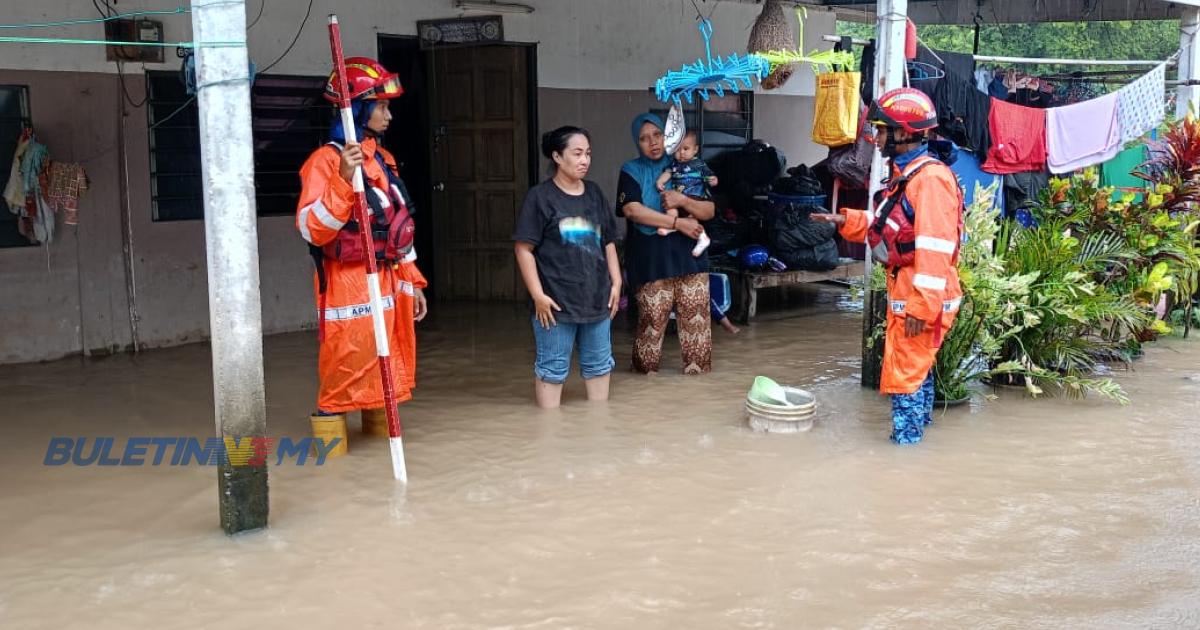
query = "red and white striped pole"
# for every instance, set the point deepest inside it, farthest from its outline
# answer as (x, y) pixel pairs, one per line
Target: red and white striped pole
(364, 222)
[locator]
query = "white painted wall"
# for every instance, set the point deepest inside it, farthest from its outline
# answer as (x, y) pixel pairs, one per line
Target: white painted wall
(583, 44)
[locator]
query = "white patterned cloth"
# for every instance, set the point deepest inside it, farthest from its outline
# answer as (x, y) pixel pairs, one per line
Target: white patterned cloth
(1142, 105)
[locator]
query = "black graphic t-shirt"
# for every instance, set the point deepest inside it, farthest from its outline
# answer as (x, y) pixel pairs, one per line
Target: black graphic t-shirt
(569, 234)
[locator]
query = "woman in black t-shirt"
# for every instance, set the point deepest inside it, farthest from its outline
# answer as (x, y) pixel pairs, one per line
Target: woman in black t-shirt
(569, 264)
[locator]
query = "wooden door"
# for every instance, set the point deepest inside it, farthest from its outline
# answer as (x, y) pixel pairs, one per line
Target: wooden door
(480, 128)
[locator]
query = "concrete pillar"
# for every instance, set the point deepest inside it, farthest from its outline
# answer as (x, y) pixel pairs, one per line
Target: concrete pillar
(1189, 61)
(890, 68)
(231, 237)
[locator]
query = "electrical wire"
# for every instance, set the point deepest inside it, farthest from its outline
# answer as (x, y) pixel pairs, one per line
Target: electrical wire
(295, 39)
(119, 16)
(261, 6)
(125, 90)
(179, 109)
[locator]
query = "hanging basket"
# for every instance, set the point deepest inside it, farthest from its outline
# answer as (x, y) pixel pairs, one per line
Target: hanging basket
(772, 31)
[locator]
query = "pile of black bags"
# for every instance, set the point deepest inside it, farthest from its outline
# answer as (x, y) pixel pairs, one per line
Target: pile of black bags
(794, 237)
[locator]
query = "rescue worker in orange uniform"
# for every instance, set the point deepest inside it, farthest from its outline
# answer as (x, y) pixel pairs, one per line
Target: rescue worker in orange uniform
(915, 233)
(348, 364)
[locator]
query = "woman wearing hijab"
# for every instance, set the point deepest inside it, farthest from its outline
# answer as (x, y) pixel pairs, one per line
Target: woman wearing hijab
(661, 270)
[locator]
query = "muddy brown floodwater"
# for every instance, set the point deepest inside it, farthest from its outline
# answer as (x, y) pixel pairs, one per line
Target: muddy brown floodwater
(657, 510)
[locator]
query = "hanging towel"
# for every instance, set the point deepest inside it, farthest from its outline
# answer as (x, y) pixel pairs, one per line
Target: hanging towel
(1018, 139)
(1142, 105)
(1083, 134)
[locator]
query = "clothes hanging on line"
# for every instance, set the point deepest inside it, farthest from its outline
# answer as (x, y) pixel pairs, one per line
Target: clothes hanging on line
(997, 89)
(23, 193)
(1141, 105)
(1083, 134)
(983, 79)
(67, 183)
(1016, 86)
(1021, 191)
(1118, 172)
(967, 166)
(951, 64)
(866, 69)
(14, 190)
(1018, 138)
(1073, 90)
(963, 114)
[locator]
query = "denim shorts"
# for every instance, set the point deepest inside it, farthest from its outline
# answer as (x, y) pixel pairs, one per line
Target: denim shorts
(554, 347)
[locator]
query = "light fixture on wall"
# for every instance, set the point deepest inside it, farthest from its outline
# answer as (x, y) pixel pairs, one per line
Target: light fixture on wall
(491, 6)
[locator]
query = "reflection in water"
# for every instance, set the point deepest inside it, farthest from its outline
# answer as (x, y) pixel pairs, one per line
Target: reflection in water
(659, 509)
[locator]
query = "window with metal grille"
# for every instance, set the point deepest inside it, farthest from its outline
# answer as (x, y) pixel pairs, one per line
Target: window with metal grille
(290, 118)
(722, 122)
(14, 118)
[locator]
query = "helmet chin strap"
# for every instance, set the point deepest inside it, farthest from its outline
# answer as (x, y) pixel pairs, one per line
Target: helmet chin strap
(891, 147)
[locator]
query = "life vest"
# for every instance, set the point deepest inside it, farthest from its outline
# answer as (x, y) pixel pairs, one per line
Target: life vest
(392, 226)
(893, 235)
(392, 232)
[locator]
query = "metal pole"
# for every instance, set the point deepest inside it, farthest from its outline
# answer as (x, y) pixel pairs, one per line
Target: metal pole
(1069, 62)
(891, 19)
(1035, 60)
(1189, 62)
(231, 238)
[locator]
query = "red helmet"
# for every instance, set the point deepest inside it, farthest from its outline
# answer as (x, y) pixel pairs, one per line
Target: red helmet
(904, 108)
(365, 78)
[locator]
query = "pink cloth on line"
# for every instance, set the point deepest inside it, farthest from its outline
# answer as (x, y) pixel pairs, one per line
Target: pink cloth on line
(1018, 139)
(1082, 134)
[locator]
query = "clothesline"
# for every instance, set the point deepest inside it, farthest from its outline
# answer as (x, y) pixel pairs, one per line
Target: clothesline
(1035, 60)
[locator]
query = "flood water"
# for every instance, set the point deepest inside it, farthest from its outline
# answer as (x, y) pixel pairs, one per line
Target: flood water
(659, 509)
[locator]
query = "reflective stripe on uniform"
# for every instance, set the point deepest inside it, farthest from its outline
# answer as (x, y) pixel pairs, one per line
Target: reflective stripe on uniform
(318, 210)
(355, 311)
(405, 287)
(892, 224)
(933, 244)
(948, 306)
(925, 281)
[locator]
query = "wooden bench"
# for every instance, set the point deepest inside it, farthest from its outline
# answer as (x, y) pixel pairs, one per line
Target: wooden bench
(749, 282)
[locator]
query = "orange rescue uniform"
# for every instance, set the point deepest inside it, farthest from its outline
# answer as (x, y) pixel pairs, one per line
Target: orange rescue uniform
(929, 288)
(348, 365)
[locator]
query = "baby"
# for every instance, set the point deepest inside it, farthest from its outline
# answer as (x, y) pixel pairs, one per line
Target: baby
(691, 176)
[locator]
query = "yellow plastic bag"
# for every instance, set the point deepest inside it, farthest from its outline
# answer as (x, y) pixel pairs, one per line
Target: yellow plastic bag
(836, 121)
